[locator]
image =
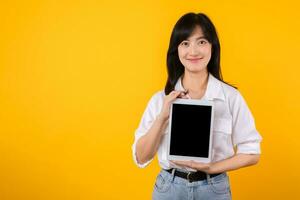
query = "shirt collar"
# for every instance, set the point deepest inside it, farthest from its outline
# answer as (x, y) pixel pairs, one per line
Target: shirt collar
(213, 90)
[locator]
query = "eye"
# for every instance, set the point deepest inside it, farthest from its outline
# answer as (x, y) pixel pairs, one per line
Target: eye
(184, 43)
(202, 42)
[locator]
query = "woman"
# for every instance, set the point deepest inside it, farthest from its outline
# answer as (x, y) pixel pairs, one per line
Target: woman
(193, 63)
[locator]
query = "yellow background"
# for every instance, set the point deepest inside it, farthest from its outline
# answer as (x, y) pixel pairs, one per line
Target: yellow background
(75, 77)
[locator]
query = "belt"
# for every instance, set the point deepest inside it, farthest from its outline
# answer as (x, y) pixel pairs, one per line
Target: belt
(192, 176)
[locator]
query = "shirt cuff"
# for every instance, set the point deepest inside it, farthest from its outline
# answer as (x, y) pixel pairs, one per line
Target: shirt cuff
(249, 148)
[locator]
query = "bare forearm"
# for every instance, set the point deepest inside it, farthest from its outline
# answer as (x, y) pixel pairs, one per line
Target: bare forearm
(233, 163)
(148, 144)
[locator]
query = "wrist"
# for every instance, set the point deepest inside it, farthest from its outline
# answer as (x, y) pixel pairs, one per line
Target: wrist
(161, 118)
(211, 169)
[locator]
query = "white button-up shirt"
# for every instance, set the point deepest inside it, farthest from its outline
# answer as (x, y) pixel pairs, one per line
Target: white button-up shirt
(233, 125)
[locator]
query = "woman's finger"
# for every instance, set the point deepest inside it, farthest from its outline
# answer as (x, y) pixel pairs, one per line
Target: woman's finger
(175, 94)
(181, 163)
(183, 95)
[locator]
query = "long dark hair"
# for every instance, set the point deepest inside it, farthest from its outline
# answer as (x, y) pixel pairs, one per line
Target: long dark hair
(181, 31)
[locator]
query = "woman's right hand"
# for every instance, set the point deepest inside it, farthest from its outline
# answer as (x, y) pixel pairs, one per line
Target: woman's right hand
(168, 99)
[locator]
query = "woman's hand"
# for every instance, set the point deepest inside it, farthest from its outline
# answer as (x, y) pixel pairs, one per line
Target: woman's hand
(204, 167)
(164, 114)
(235, 162)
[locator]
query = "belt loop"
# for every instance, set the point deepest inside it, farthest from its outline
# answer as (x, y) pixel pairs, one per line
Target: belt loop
(173, 174)
(208, 179)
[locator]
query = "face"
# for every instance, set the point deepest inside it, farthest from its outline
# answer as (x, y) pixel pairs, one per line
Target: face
(195, 52)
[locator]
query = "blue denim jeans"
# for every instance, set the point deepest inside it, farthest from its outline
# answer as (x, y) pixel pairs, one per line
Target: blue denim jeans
(170, 187)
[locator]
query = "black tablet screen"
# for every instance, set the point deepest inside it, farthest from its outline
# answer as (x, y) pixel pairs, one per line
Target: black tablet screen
(190, 130)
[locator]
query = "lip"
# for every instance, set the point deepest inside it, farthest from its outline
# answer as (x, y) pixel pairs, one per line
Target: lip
(194, 60)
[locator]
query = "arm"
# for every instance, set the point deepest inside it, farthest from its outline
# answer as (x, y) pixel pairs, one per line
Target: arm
(147, 145)
(235, 162)
(245, 138)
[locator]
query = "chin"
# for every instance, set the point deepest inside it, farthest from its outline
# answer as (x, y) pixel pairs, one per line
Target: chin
(194, 69)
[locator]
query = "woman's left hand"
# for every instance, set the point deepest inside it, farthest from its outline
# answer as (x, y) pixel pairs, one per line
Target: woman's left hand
(204, 167)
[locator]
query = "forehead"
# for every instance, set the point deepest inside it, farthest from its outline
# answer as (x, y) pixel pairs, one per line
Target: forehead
(197, 33)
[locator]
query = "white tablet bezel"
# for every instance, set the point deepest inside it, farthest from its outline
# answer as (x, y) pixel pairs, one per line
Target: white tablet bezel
(187, 158)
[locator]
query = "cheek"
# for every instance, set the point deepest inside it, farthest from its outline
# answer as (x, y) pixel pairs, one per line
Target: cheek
(182, 60)
(181, 55)
(207, 53)
(208, 50)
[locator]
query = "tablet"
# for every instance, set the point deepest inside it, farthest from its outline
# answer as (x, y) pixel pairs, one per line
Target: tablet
(190, 130)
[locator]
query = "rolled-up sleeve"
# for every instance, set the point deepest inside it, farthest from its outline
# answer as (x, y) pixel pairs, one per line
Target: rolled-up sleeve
(244, 136)
(144, 125)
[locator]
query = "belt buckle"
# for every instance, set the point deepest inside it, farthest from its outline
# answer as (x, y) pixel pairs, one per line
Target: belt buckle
(188, 177)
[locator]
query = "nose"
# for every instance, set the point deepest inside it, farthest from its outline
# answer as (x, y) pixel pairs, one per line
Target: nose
(194, 50)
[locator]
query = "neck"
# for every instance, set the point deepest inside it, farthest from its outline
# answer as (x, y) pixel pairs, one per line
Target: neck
(195, 82)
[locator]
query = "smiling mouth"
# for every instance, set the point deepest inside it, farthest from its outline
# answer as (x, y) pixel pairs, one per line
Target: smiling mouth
(194, 59)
